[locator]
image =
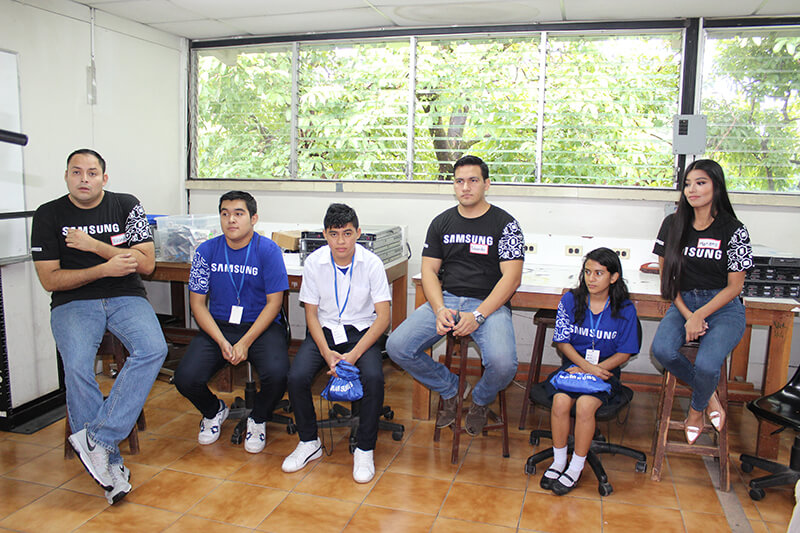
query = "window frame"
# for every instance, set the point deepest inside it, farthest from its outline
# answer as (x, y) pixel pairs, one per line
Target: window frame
(689, 90)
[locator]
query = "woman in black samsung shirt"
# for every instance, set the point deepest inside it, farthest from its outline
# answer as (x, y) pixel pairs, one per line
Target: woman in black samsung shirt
(704, 254)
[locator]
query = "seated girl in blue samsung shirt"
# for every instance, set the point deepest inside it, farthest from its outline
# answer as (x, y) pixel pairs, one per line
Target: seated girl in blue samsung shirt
(596, 331)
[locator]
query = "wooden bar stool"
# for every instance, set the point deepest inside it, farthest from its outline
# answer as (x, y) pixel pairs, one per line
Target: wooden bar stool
(665, 423)
(461, 344)
(110, 344)
(543, 319)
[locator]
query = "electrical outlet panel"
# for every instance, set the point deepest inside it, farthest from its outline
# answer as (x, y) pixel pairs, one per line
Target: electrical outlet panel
(573, 250)
(530, 248)
(623, 253)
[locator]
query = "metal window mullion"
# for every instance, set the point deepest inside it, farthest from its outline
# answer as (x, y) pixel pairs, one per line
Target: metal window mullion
(293, 155)
(540, 120)
(412, 106)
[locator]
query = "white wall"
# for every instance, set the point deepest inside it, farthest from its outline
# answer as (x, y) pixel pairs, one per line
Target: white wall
(138, 125)
(637, 219)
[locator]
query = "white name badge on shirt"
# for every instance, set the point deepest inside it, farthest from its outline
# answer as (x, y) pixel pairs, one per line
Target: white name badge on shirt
(482, 249)
(236, 314)
(593, 356)
(339, 335)
(116, 240)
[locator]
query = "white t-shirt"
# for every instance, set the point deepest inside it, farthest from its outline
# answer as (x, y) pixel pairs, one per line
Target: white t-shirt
(366, 284)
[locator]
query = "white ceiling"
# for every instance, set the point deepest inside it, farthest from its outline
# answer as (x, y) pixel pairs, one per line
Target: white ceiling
(209, 19)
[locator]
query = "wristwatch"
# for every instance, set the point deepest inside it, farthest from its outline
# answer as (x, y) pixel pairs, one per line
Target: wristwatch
(479, 318)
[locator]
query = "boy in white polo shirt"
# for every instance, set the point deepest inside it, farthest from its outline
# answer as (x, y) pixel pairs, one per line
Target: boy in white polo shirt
(347, 302)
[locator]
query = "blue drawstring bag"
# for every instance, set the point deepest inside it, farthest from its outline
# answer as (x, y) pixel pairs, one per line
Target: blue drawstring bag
(345, 385)
(579, 382)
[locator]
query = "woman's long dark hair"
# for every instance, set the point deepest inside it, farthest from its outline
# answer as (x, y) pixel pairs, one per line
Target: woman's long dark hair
(682, 222)
(617, 291)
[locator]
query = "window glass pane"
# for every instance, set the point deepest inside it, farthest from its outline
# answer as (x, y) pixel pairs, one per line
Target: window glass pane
(353, 111)
(478, 96)
(750, 91)
(243, 113)
(609, 105)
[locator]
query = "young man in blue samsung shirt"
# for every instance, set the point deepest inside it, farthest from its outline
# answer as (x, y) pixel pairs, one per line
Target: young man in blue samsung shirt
(236, 289)
(347, 301)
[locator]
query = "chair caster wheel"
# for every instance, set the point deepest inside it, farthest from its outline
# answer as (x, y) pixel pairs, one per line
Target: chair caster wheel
(291, 429)
(605, 489)
(757, 494)
(397, 435)
(388, 415)
(352, 447)
(747, 468)
(641, 466)
(530, 469)
(332, 414)
(236, 438)
(534, 440)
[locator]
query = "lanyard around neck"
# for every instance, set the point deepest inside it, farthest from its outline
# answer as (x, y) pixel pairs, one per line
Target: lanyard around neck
(230, 273)
(336, 285)
(592, 324)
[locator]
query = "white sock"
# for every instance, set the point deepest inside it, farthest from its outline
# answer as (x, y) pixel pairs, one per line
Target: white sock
(559, 462)
(574, 470)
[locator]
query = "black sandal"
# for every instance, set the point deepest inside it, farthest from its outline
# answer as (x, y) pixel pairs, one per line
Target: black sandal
(547, 482)
(559, 489)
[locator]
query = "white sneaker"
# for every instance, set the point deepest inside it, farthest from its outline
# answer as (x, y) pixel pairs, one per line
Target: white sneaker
(210, 427)
(305, 452)
(256, 436)
(122, 485)
(94, 458)
(363, 466)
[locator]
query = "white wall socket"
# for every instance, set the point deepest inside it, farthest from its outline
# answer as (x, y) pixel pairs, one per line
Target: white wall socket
(573, 250)
(623, 253)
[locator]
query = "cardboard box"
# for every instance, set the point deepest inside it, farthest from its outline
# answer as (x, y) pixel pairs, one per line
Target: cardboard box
(288, 240)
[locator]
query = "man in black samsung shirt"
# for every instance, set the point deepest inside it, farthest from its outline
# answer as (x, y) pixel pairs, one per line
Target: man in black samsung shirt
(89, 248)
(471, 266)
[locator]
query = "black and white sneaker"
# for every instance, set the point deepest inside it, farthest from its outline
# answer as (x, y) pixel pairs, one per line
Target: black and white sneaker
(122, 485)
(210, 427)
(305, 452)
(94, 458)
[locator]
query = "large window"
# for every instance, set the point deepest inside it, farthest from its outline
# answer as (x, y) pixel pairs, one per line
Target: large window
(550, 107)
(751, 96)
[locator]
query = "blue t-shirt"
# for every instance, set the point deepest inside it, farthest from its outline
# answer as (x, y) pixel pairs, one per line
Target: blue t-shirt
(611, 335)
(264, 273)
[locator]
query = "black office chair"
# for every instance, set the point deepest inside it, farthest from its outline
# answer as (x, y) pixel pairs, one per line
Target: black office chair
(599, 444)
(340, 416)
(242, 407)
(781, 408)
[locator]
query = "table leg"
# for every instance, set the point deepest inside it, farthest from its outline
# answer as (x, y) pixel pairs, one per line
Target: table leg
(775, 375)
(420, 394)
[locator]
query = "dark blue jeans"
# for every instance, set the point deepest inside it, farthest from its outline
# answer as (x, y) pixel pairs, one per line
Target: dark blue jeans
(725, 330)
(309, 362)
(268, 354)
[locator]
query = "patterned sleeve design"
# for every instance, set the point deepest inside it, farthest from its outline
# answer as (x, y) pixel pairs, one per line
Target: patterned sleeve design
(199, 275)
(137, 229)
(563, 329)
(740, 253)
(512, 242)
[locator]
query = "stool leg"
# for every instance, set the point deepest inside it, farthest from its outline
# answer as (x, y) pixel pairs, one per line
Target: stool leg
(533, 372)
(724, 458)
(69, 453)
(462, 377)
(506, 452)
(661, 394)
(663, 427)
(448, 358)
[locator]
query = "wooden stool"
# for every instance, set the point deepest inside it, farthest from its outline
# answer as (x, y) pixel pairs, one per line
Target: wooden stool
(501, 422)
(665, 423)
(543, 319)
(110, 344)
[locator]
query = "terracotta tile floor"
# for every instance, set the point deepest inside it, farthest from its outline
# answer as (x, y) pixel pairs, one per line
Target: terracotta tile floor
(180, 486)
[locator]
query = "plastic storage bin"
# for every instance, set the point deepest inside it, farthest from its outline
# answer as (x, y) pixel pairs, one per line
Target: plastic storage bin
(179, 235)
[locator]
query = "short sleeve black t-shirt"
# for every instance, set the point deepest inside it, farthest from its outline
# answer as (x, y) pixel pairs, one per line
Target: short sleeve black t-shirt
(710, 254)
(119, 220)
(471, 249)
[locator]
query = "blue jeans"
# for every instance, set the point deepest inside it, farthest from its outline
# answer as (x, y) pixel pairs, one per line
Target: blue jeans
(78, 328)
(725, 330)
(495, 338)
